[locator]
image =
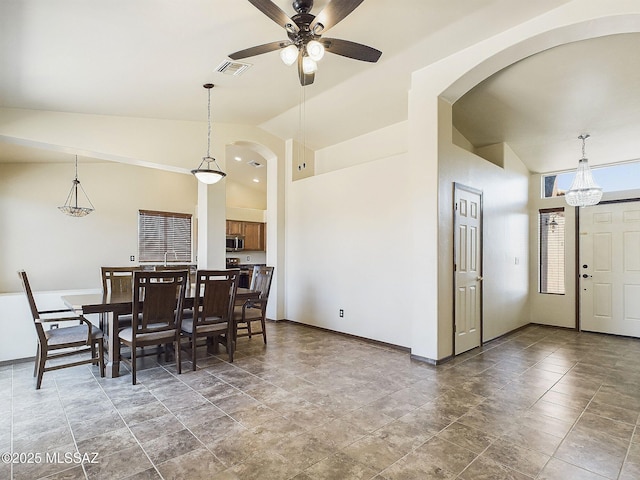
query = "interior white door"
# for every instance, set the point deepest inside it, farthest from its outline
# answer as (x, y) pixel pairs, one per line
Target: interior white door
(467, 268)
(610, 268)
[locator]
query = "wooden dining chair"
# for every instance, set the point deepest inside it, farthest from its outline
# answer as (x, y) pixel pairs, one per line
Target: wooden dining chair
(57, 342)
(212, 316)
(254, 310)
(192, 273)
(117, 280)
(157, 304)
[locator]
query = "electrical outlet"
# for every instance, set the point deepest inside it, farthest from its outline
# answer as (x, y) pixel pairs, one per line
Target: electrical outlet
(341, 313)
(132, 258)
(248, 258)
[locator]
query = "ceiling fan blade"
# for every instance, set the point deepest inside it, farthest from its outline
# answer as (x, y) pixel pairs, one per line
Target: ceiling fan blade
(349, 49)
(305, 78)
(259, 50)
(334, 12)
(275, 13)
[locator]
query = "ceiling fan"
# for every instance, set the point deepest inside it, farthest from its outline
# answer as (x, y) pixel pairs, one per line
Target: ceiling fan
(305, 44)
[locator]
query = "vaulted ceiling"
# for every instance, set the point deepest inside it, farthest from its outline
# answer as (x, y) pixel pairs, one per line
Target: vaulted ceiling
(540, 105)
(149, 58)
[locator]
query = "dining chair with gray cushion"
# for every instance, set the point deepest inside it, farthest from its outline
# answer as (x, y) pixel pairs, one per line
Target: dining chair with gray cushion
(254, 310)
(58, 341)
(157, 304)
(212, 316)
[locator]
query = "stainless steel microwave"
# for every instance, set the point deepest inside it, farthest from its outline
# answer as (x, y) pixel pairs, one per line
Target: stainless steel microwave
(235, 243)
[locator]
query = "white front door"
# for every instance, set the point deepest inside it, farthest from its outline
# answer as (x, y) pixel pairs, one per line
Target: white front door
(467, 268)
(609, 268)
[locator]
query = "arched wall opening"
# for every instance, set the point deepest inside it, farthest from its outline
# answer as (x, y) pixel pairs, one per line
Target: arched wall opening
(434, 89)
(274, 222)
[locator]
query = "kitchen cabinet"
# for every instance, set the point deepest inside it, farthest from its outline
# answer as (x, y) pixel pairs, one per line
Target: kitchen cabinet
(253, 233)
(254, 236)
(235, 227)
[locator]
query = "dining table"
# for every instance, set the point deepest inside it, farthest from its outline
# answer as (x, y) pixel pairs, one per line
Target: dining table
(119, 304)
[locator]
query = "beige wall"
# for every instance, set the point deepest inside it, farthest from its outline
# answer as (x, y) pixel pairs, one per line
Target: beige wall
(558, 310)
(505, 235)
(61, 252)
(348, 238)
(240, 196)
(380, 144)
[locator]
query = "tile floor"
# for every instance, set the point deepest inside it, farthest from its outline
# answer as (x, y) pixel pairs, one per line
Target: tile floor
(542, 403)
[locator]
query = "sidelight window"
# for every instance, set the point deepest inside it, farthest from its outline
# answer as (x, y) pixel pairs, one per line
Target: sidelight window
(551, 253)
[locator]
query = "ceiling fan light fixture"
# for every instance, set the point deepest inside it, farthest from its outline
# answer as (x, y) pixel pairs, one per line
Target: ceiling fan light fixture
(208, 175)
(583, 192)
(289, 55)
(315, 50)
(304, 30)
(309, 66)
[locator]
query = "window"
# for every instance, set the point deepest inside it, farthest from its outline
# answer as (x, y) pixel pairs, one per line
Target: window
(164, 236)
(612, 178)
(551, 239)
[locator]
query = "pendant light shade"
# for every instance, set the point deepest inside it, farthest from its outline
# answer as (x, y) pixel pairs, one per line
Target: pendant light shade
(208, 175)
(583, 192)
(72, 206)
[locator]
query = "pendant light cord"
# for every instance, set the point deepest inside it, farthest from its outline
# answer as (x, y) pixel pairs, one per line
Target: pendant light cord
(302, 117)
(209, 123)
(584, 137)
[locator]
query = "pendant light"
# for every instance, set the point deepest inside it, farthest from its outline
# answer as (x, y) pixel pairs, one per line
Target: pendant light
(71, 206)
(583, 192)
(207, 175)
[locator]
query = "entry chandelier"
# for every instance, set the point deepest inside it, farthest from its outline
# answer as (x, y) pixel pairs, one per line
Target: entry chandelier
(583, 192)
(71, 206)
(207, 175)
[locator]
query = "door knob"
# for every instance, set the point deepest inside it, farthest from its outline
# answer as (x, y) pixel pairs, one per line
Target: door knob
(479, 279)
(584, 275)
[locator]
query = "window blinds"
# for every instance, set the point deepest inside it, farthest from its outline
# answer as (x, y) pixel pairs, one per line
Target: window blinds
(164, 236)
(552, 255)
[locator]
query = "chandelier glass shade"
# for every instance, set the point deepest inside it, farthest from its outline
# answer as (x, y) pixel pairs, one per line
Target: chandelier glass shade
(71, 206)
(208, 175)
(583, 191)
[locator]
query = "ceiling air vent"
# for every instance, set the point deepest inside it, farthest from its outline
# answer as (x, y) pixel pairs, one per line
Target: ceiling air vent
(255, 164)
(232, 68)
